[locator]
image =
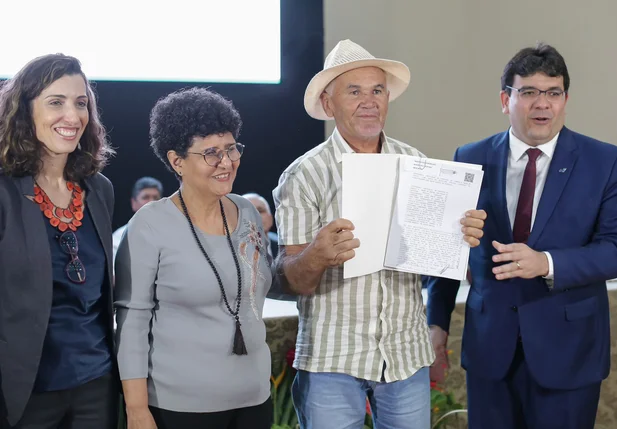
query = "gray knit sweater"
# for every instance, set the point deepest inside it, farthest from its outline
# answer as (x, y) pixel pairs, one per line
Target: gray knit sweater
(173, 326)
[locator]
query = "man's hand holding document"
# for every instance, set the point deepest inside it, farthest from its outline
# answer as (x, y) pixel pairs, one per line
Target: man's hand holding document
(406, 211)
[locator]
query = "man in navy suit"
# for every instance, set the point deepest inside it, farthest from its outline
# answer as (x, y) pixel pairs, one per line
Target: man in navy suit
(536, 342)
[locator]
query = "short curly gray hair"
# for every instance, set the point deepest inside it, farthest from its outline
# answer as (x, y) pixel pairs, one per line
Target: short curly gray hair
(182, 115)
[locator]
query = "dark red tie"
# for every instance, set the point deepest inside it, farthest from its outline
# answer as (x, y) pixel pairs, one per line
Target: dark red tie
(524, 209)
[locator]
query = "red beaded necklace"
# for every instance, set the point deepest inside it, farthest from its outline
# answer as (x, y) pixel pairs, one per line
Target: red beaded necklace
(74, 211)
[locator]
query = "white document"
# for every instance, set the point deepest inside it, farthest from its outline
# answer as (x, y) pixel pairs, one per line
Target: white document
(425, 232)
(369, 184)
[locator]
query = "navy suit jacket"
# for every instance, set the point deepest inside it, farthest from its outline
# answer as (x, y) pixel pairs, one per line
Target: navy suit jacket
(564, 331)
(26, 284)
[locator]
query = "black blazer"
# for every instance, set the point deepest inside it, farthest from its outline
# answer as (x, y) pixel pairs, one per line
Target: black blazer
(26, 283)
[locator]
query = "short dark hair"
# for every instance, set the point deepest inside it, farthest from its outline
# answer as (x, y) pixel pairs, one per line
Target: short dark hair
(182, 115)
(20, 150)
(146, 183)
(541, 59)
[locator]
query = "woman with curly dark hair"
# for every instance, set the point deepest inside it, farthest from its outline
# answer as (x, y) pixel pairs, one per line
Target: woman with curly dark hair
(56, 312)
(192, 273)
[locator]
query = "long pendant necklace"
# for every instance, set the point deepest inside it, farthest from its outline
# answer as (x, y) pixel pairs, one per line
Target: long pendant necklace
(239, 347)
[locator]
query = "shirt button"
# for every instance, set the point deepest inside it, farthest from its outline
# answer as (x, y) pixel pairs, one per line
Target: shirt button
(514, 308)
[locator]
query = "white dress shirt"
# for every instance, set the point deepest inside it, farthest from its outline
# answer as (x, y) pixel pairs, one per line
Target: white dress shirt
(517, 162)
(117, 238)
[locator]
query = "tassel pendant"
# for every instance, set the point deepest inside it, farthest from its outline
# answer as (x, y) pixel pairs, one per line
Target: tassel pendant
(239, 346)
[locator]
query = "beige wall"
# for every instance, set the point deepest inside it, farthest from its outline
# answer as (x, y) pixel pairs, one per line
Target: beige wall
(456, 50)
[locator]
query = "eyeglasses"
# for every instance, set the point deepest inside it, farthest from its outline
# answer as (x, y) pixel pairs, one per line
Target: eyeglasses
(214, 156)
(532, 94)
(75, 270)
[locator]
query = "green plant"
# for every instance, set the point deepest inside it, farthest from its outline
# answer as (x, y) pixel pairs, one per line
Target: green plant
(280, 392)
(442, 405)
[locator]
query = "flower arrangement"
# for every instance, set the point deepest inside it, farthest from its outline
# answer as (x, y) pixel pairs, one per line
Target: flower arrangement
(445, 411)
(280, 392)
(443, 406)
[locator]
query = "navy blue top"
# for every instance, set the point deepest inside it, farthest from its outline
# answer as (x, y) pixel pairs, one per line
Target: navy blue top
(76, 349)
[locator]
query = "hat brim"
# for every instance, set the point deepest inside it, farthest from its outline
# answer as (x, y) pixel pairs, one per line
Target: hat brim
(397, 78)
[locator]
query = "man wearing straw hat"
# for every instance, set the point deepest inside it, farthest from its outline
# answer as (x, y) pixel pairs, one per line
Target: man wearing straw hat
(366, 336)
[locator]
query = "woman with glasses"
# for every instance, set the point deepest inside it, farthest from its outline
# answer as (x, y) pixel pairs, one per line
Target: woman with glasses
(192, 273)
(56, 306)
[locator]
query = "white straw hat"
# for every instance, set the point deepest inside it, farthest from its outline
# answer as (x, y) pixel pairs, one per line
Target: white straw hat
(347, 56)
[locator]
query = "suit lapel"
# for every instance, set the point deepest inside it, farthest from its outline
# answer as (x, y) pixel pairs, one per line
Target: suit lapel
(560, 169)
(100, 218)
(37, 243)
(497, 165)
(102, 224)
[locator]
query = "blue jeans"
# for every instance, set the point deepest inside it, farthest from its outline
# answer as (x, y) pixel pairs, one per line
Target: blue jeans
(325, 400)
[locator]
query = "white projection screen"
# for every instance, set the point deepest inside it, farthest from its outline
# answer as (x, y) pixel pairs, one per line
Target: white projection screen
(235, 41)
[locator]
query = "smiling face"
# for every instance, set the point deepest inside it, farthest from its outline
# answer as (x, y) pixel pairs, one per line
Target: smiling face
(538, 120)
(358, 102)
(60, 114)
(196, 173)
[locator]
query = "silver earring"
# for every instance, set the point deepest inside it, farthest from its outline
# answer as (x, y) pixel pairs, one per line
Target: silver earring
(79, 145)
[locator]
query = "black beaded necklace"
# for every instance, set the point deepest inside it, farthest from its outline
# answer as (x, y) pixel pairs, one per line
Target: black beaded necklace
(239, 347)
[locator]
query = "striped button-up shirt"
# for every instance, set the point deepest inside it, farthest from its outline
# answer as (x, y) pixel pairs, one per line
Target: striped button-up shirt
(353, 326)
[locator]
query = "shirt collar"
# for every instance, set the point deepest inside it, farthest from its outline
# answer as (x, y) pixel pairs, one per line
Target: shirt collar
(518, 147)
(341, 146)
